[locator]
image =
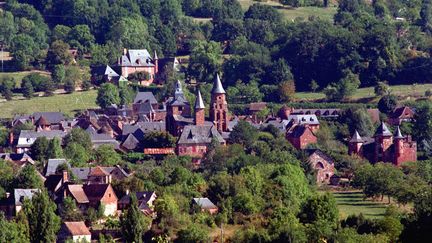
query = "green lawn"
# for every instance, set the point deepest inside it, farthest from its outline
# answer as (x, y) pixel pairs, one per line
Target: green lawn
(18, 76)
(66, 103)
(293, 13)
(353, 203)
(415, 90)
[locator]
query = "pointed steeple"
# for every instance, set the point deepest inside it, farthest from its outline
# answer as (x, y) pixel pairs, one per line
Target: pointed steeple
(217, 86)
(155, 56)
(383, 130)
(199, 103)
(356, 138)
(178, 90)
(398, 133)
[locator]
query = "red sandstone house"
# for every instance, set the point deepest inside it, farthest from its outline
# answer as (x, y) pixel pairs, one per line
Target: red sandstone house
(401, 114)
(134, 61)
(300, 136)
(322, 164)
(384, 147)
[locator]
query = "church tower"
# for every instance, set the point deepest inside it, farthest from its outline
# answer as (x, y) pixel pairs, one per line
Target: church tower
(355, 144)
(383, 141)
(219, 106)
(399, 145)
(199, 110)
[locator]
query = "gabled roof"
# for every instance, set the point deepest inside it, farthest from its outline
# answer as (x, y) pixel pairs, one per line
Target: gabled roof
(98, 171)
(42, 122)
(143, 196)
(142, 97)
(298, 131)
(200, 135)
(21, 194)
(304, 119)
(77, 192)
(52, 165)
(145, 127)
(204, 203)
(400, 111)
(77, 228)
(217, 86)
(138, 58)
(96, 192)
(52, 182)
(199, 103)
(324, 156)
(23, 157)
(383, 130)
(130, 143)
(110, 72)
(356, 138)
(51, 117)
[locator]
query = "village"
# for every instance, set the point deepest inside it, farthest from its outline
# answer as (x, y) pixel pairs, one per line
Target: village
(195, 121)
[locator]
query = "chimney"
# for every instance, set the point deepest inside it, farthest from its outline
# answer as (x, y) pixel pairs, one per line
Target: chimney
(7, 194)
(124, 51)
(11, 138)
(65, 176)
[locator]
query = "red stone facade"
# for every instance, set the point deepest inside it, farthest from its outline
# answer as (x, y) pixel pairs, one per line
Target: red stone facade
(323, 165)
(192, 150)
(301, 136)
(405, 151)
(219, 111)
(199, 117)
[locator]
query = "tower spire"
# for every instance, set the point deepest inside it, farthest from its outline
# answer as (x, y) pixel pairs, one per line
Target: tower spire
(199, 103)
(356, 138)
(398, 133)
(217, 86)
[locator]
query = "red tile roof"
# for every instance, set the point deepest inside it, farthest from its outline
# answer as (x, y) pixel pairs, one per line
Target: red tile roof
(77, 228)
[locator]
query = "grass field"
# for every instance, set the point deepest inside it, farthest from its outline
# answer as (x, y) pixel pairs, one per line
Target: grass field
(293, 13)
(415, 90)
(353, 203)
(66, 103)
(18, 76)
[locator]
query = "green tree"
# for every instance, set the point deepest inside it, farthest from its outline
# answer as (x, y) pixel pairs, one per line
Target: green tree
(54, 149)
(133, 222)
(244, 133)
(387, 103)
(28, 178)
(69, 211)
(81, 37)
(358, 119)
(27, 89)
(130, 32)
(205, 60)
(107, 156)
(24, 50)
(40, 149)
(58, 73)
(6, 87)
(43, 221)
(192, 234)
(107, 94)
(126, 94)
(157, 139)
(287, 90)
(344, 88)
(77, 154)
(79, 136)
(381, 89)
(58, 53)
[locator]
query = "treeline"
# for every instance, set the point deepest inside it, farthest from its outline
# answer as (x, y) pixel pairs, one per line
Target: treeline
(261, 55)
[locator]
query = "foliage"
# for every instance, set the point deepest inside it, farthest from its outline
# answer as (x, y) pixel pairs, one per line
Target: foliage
(107, 95)
(107, 156)
(387, 103)
(193, 233)
(133, 222)
(204, 61)
(43, 222)
(158, 140)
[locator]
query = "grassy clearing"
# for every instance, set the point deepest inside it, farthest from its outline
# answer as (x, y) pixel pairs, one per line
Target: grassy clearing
(293, 13)
(414, 90)
(353, 203)
(18, 76)
(66, 103)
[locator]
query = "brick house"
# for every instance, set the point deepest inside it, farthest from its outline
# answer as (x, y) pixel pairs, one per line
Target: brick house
(401, 114)
(194, 140)
(322, 164)
(300, 136)
(140, 60)
(310, 121)
(384, 146)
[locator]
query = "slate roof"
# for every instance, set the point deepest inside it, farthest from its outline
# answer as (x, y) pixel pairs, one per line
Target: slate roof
(297, 131)
(193, 134)
(131, 142)
(52, 182)
(144, 196)
(319, 112)
(356, 138)
(95, 192)
(137, 58)
(21, 194)
(77, 228)
(110, 72)
(51, 117)
(27, 137)
(142, 97)
(383, 130)
(398, 133)
(82, 173)
(204, 203)
(304, 119)
(323, 155)
(145, 127)
(144, 108)
(52, 165)
(199, 103)
(99, 139)
(217, 86)
(399, 111)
